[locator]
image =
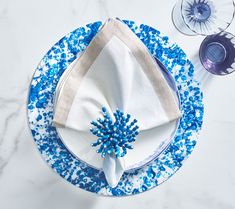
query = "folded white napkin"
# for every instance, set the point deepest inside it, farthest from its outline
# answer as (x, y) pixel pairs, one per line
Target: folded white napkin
(116, 71)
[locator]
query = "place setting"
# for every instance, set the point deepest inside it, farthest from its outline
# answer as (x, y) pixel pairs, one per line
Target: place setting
(114, 107)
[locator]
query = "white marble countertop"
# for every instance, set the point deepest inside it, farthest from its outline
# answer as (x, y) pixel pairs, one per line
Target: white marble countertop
(28, 30)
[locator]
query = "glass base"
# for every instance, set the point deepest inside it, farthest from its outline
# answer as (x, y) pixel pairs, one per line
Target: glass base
(215, 52)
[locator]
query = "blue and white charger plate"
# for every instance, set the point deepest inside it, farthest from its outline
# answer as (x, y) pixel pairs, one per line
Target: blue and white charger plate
(80, 174)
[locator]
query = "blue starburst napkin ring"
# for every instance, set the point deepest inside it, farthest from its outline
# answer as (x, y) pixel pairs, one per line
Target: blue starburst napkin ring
(114, 137)
(117, 81)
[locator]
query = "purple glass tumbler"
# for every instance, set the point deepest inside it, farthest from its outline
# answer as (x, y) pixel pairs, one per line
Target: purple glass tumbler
(217, 53)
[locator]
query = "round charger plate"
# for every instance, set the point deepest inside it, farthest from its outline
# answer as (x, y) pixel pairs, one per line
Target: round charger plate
(80, 174)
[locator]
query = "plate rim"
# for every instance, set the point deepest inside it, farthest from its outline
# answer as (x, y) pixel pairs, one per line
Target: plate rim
(139, 25)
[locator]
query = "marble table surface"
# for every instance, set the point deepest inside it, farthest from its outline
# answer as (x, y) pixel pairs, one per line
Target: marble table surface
(28, 30)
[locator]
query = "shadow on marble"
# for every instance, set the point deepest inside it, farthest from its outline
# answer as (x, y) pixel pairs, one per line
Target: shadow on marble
(201, 74)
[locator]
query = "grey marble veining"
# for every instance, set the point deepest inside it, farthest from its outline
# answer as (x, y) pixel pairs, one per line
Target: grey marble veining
(28, 29)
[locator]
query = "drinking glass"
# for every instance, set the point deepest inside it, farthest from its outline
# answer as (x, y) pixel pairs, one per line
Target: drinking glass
(217, 53)
(203, 17)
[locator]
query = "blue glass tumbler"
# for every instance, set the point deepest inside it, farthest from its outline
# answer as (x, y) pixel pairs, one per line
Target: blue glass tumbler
(203, 17)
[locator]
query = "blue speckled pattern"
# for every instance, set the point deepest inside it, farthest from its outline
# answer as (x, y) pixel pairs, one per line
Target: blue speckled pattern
(40, 113)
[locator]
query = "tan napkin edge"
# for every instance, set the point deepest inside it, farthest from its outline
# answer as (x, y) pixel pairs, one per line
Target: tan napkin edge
(140, 51)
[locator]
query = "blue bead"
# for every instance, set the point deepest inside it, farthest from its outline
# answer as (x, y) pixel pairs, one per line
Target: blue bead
(103, 109)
